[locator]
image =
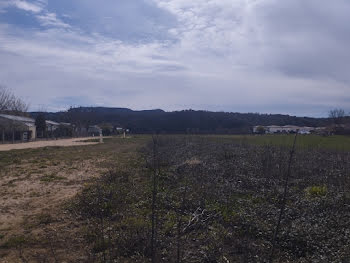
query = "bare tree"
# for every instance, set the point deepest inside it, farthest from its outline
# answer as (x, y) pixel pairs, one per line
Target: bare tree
(337, 115)
(5, 98)
(11, 103)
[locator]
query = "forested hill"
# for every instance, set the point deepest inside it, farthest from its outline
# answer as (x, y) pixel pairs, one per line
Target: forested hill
(178, 121)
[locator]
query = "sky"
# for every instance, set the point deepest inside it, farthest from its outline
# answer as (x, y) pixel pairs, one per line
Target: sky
(267, 56)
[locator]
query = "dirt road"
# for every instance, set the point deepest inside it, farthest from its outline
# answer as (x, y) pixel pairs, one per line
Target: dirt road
(39, 144)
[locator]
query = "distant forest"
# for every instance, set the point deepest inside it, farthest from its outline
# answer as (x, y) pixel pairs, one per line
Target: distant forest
(186, 121)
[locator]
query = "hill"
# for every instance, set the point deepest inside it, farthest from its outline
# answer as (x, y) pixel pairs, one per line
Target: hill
(147, 121)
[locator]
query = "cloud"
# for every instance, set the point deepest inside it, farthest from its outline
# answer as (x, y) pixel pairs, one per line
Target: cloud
(39, 10)
(99, 57)
(27, 6)
(244, 55)
(125, 20)
(50, 19)
(297, 38)
(306, 38)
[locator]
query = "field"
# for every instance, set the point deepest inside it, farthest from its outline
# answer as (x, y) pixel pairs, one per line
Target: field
(177, 199)
(336, 142)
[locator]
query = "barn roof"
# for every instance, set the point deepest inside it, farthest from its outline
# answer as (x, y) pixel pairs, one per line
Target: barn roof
(52, 123)
(17, 118)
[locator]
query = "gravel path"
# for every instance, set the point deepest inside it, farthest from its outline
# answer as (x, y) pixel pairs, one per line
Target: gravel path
(39, 144)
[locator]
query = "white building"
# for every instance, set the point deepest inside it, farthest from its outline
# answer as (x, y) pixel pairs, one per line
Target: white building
(284, 129)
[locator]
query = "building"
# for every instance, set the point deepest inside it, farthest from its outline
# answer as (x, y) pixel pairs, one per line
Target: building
(17, 128)
(52, 126)
(272, 129)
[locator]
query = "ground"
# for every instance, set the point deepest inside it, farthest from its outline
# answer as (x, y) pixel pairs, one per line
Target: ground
(38, 187)
(48, 143)
(35, 185)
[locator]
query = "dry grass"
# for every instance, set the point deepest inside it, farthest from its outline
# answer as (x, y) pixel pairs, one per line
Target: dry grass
(35, 187)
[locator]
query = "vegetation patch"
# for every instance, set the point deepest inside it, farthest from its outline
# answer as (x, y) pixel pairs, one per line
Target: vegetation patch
(316, 191)
(224, 206)
(52, 178)
(191, 199)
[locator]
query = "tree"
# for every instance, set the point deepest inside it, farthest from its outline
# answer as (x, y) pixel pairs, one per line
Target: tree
(9, 103)
(337, 115)
(260, 130)
(4, 99)
(107, 129)
(40, 123)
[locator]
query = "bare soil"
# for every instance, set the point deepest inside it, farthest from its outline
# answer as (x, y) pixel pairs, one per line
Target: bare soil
(39, 144)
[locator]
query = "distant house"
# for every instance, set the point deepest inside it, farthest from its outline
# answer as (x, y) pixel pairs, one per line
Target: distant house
(272, 129)
(17, 128)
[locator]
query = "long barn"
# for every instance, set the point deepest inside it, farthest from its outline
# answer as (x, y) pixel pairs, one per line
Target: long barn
(16, 128)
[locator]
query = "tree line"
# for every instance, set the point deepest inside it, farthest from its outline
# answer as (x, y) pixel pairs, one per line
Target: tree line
(159, 121)
(186, 121)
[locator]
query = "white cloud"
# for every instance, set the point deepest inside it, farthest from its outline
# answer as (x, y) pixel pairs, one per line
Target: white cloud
(24, 5)
(223, 55)
(96, 55)
(50, 19)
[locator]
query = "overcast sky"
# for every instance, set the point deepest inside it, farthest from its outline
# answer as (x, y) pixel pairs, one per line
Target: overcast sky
(269, 56)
